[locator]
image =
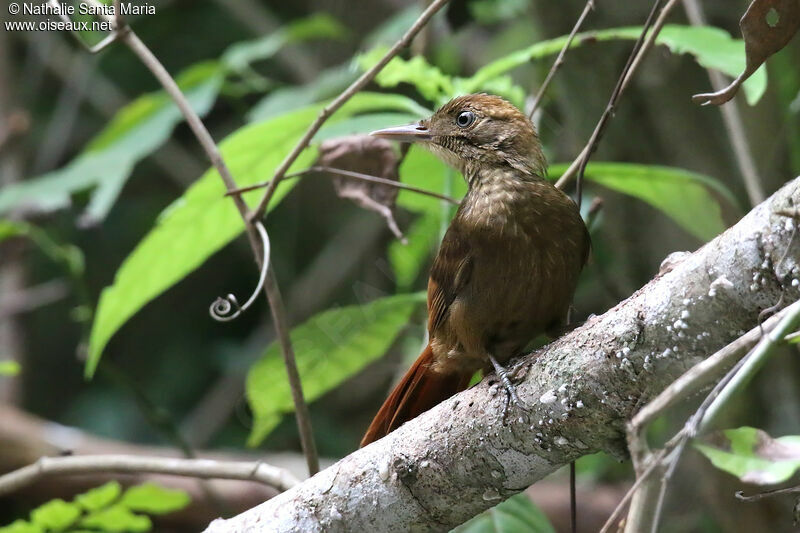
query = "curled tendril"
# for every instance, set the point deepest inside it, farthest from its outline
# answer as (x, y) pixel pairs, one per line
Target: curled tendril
(227, 308)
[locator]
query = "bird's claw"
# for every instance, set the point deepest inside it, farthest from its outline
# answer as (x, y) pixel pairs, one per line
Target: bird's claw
(511, 391)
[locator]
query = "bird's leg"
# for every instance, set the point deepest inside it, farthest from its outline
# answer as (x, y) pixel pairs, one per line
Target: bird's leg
(511, 391)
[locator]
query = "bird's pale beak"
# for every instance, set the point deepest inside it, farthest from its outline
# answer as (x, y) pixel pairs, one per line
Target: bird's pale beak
(408, 134)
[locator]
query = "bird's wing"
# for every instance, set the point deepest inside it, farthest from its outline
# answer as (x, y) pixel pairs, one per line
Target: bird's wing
(450, 273)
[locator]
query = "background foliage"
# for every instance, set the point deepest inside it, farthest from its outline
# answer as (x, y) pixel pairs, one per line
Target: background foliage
(108, 195)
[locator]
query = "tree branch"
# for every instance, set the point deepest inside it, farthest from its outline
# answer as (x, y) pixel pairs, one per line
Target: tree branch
(197, 468)
(330, 171)
(460, 458)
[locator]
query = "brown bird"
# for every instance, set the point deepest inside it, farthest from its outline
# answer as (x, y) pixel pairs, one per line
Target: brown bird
(508, 264)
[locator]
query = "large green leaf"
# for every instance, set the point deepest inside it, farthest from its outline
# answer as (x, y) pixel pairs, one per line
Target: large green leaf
(711, 47)
(515, 515)
(330, 347)
(682, 195)
(203, 220)
(754, 457)
(137, 130)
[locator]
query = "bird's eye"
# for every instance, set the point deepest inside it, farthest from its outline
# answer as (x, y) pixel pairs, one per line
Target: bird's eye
(465, 119)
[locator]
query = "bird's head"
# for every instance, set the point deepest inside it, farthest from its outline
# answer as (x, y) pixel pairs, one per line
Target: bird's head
(477, 132)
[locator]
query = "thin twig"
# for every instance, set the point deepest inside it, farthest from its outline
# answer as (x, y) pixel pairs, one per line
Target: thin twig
(340, 100)
(634, 60)
(640, 50)
(615, 514)
(752, 363)
(689, 383)
(270, 288)
(733, 119)
(32, 298)
(349, 174)
(573, 499)
(104, 43)
(766, 494)
(733, 381)
(199, 468)
(560, 59)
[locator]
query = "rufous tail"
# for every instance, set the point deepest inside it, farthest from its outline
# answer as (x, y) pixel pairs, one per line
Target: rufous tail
(419, 390)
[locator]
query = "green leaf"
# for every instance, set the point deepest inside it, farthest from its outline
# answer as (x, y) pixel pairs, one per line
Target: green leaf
(56, 515)
(494, 11)
(153, 499)
(431, 82)
(754, 457)
(515, 515)
(99, 497)
(423, 237)
(327, 84)
(203, 220)
(21, 526)
(9, 229)
(393, 28)
(136, 131)
(501, 85)
(68, 256)
(363, 124)
(422, 169)
(330, 347)
(682, 195)
(238, 56)
(711, 47)
(9, 368)
(117, 518)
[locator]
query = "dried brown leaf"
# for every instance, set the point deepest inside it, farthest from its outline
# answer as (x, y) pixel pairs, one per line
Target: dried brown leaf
(365, 155)
(767, 26)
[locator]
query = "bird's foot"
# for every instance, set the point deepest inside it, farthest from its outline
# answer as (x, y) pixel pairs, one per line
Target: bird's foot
(511, 390)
